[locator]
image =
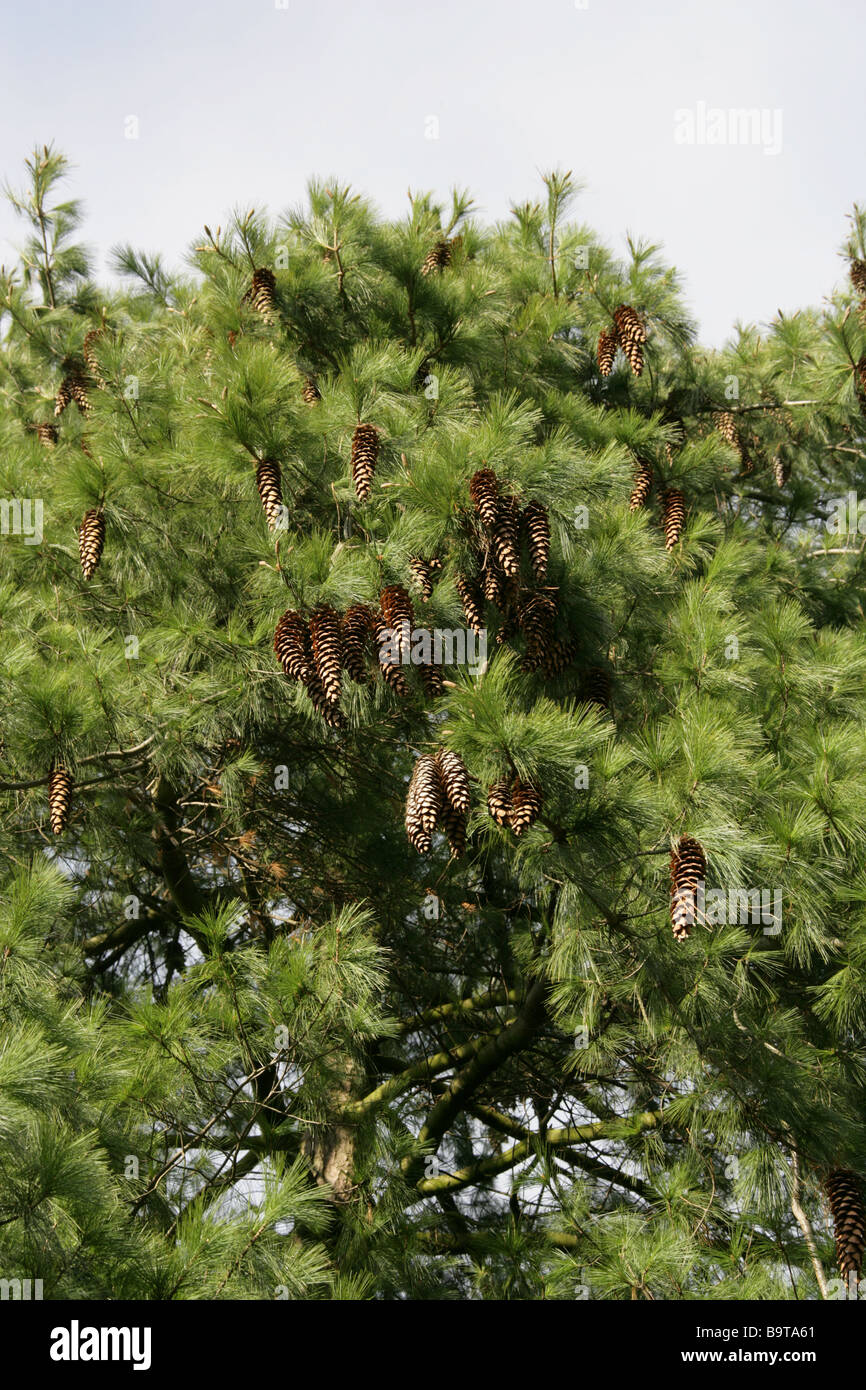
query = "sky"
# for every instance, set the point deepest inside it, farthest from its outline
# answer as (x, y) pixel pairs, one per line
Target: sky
(238, 102)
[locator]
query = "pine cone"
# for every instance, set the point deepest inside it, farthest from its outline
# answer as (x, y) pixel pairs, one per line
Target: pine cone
(269, 481)
(454, 825)
(59, 797)
(559, 655)
(290, 645)
(262, 294)
(357, 626)
(525, 806)
(326, 639)
(606, 351)
(73, 387)
(643, 482)
(431, 679)
(392, 674)
(492, 580)
(536, 616)
(484, 493)
(310, 391)
(91, 538)
(365, 453)
(423, 802)
(46, 433)
(472, 603)
(422, 572)
(89, 354)
(632, 335)
(499, 801)
(506, 536)
(399, 614)
(858, 276)
(845, 1196)
(781, 469)
(437, 258)
(688, 868)
(673, 516)
(595, 687)
(537, 527)
(455, 779)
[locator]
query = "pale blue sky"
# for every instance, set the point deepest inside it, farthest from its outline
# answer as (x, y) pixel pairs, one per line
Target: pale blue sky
(239, 101)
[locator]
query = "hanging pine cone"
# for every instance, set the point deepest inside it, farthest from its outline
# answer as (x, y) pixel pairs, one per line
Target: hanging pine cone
(269, 481)
(392, 673)
(845, 1196)
(505, 536)
(525, 806)
(560, 654)
(454, 825)
(492, 579)
(726, 424)
(595, 687)
(673, 516)
(357, 628)
(422, 572)
(688, 869)
(89, 354)
(484, 493)
(59, 797)
(262, 294)
(499, 801)
(431, 679)
(643, 482)
(632, 335)
(437, 258)
(91, 539)
(46, 433)
(781, 469)
(423, 802)
(326, 639)
(606, 351)
(472, 602)
(455, 779)
(310, 391)
(291, 645)
(73, 387)
(365, 453)
(857, 271)
(536, 616)
(536, 524)
(398, 613)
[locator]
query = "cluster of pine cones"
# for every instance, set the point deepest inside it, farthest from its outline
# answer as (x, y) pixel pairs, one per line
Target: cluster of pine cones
(673, 517)
(629, 333)
(747, 446)
(513, 804)
(438, 795)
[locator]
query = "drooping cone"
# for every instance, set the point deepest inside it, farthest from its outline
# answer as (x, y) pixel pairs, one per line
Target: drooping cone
(269, 481)
(484, 493)
(845, 1196)
(422, 572)
(781, 469)
(392, 673)
(525, 806)
(471, 599)
(59, 798)
(89, 353)
(506, 536)
(423, 802)
(262, 293)
(91, 539)
(536, 616)
(454, 825)
(431, 679)
(643, 483)
(437, 258)
(310, 391)
(326, 639)
(399, 614)
(606, 351)
(365, 452)
(858, 276)
(357, 628)
(673, 516)
(73, 387)
(455, 779)
(492, 579)
(726, 424)
(632, 335)
(46, 433)
(688, 869)
(560, 654)
(860, 382)
(290, 645)
(536, 524)
(499, 801)
(595, 687)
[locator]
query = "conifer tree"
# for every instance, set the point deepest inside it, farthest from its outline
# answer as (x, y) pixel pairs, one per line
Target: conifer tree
(258, 1040)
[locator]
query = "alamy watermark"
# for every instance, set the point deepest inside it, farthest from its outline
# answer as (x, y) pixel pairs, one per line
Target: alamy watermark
(719, 906)
(22, 516)
(733, 125)
(423, 646)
